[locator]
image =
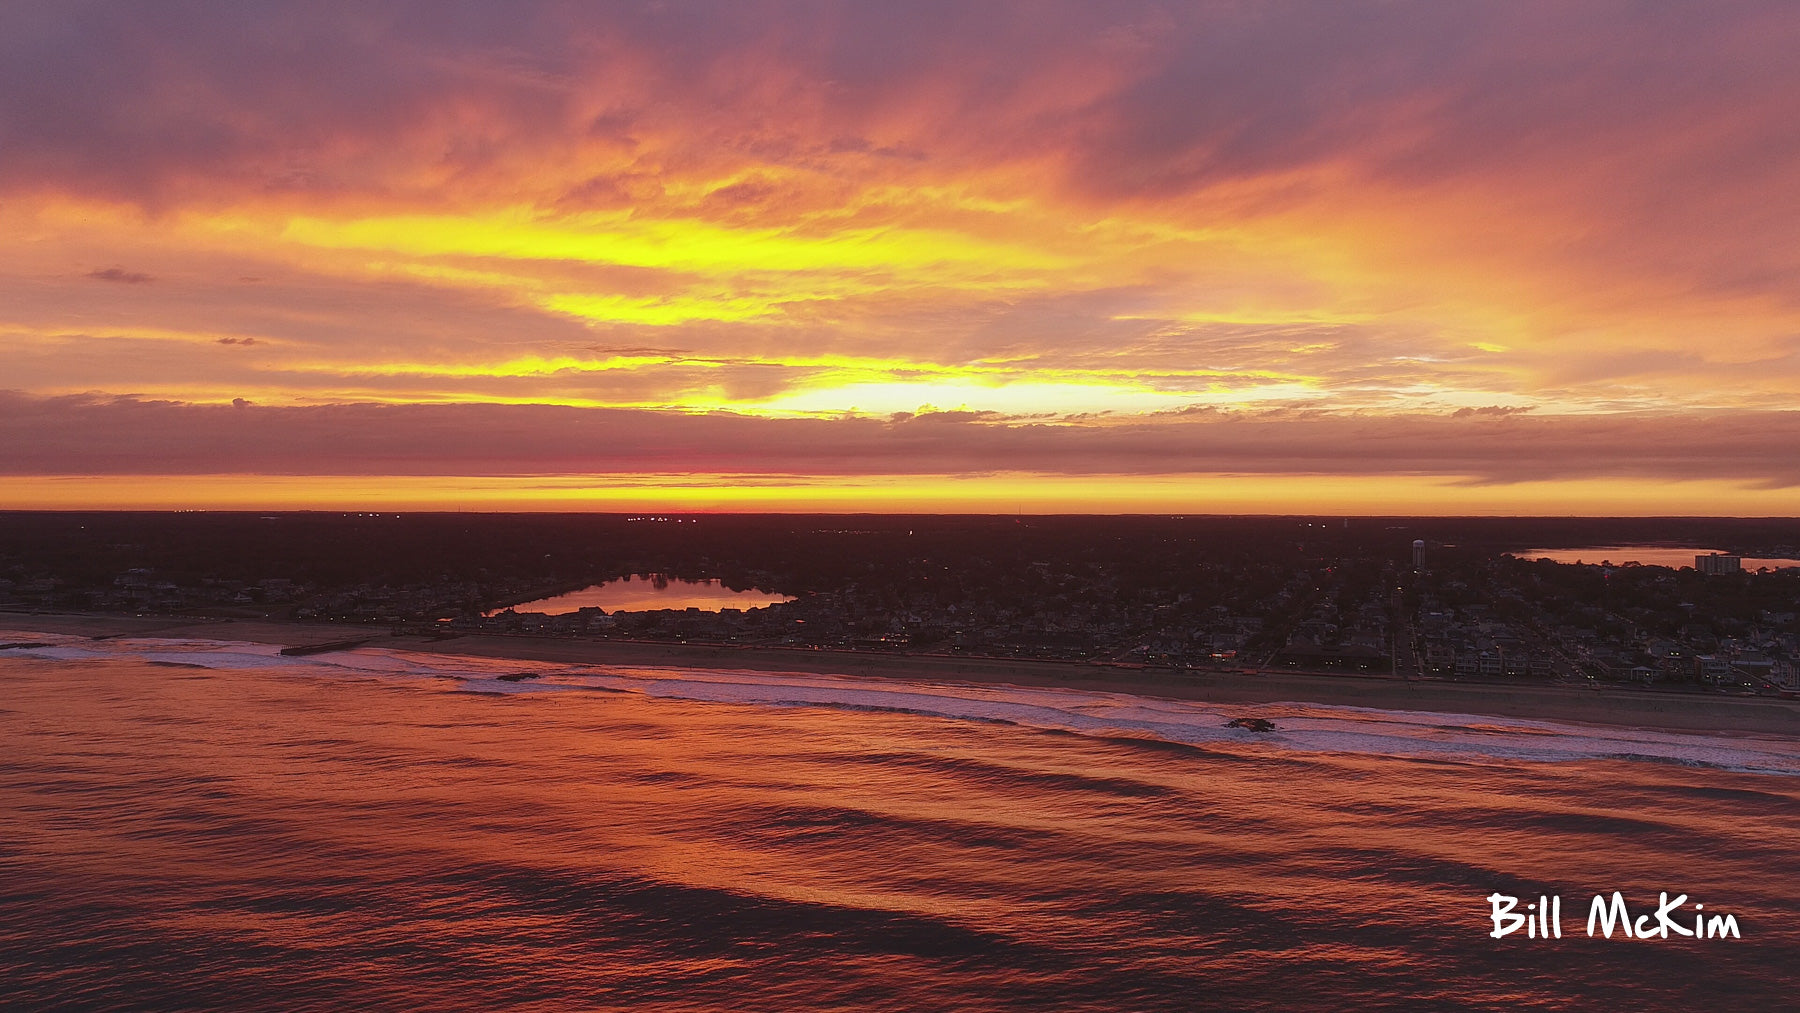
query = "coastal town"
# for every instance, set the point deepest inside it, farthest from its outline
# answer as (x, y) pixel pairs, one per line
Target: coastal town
(1175, 594)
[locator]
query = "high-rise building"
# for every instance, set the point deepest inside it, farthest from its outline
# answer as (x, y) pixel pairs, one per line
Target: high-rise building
(1718, 562)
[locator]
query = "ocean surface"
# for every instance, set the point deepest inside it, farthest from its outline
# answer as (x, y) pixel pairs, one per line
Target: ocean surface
(206, 825)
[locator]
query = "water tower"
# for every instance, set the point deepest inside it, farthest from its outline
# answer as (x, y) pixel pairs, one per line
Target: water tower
(1418, 553)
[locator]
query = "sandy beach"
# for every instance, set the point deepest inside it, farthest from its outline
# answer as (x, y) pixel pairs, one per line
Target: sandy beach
(1609, 705)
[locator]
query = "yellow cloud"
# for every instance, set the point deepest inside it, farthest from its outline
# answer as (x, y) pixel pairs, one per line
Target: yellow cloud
(660, 312)
(670, 244)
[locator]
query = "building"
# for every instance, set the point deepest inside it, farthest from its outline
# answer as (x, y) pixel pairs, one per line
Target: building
(1717, 563)
(1712, 669)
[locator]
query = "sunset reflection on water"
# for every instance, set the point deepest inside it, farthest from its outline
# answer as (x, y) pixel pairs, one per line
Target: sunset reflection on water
(183, 836)
(649, 593)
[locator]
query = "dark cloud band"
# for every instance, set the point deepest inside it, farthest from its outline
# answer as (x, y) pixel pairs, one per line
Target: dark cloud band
(99, 436)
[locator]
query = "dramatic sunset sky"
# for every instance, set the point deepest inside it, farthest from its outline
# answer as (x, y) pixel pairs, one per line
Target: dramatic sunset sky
(1227, 257)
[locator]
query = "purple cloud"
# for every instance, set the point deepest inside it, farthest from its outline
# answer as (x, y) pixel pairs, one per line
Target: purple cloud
(94, 435)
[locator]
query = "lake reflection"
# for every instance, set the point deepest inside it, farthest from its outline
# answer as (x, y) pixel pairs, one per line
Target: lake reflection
(648, 593)
(1648, 555)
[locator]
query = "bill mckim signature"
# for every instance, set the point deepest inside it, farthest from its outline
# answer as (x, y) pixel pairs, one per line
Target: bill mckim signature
(1542, 918)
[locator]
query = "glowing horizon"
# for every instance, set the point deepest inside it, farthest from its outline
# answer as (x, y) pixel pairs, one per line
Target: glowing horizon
(1034, 495)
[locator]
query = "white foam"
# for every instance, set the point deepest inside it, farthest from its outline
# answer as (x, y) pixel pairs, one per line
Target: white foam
(1310, 727)
(1299, 726)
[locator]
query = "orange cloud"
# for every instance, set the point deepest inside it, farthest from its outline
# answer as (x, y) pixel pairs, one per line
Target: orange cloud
(1053, 213)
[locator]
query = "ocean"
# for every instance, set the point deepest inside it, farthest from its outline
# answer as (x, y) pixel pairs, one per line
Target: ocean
(190, 824)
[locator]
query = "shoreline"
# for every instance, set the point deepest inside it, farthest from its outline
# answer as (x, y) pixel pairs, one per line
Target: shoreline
(1599, 705)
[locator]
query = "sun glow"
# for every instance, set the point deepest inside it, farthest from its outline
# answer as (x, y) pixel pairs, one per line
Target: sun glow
(771, 227)
(994, 492)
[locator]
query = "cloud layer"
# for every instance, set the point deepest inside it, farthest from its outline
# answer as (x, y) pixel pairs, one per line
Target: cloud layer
(85, 436)
(596, 226)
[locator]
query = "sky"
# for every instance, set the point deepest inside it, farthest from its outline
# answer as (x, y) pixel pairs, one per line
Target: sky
(1359, 258)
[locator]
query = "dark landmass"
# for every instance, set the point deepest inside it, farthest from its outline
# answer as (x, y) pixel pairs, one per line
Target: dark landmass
(1252, 724)
(1200, 594)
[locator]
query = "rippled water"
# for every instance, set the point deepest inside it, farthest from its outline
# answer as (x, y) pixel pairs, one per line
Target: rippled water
(195, 824)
